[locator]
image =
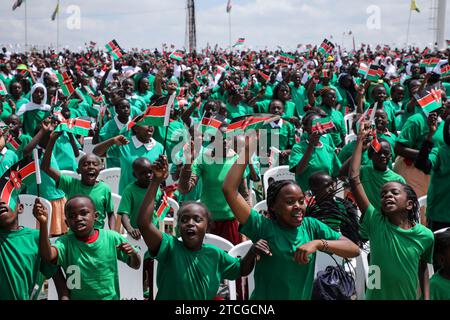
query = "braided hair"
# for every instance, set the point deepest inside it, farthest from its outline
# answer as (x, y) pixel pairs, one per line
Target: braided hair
(272, 193)
(414, 213)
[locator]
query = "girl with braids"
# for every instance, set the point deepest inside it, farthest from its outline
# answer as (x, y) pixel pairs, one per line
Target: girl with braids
(286, 270)
(440, 281)
(400, 247)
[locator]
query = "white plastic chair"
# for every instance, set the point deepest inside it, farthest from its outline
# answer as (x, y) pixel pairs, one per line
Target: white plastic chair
(422, 203)
(260, 206)
(116, 201)
(253, 197)
(348, 119)
(72, 174)
(350, 137)
(27, 219)
(277, 173)
(131, 280)
(170, 220)
(241, 250)
(52, 294)
(111, 177)
(212, 239)
(87, 145)
(362, 272)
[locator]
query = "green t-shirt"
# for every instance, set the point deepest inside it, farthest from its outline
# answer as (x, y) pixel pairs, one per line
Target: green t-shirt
(49, 192)
(372, 181)
(97, 263)
(145, 96)
(110, 130)
(31, 119)
(340, 131)
(177, 135)
(241, 109)
(396, 252)
(20, 264)
(192, 275)
(64, 153)
(137, 102)
(213, 175)
(24, 140)
(130, 203)
(130, 152)
(415, 131)
(320, 86)
(7, 159)
(279, 277)
(347, 152)
(299, 98)
(439, 287)
(322, 158)
(100, 193)
(438, 200)
(289, 108)
(284, 134)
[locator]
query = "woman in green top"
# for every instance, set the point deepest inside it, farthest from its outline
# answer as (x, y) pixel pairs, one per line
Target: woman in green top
(400, 247)
(287, 270)
(143, 90)
(35, 111)
(193, 268)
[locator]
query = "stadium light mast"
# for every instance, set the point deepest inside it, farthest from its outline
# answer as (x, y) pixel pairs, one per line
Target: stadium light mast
(190, 25)
(440, 24)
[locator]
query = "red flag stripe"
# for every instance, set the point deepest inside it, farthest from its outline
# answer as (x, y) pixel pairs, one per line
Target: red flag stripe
(157, 111)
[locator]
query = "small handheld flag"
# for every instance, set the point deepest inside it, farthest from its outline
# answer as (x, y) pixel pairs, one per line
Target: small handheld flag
(322, 125)
(75, 126)
(66, 83)
(177, 55)
(430, 102)
(239, 42)
(114, 49)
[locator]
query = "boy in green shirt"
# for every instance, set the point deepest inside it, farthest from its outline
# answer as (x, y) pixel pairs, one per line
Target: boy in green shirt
(16, 140)
(88, 168)
(21, 267)
(92, 252)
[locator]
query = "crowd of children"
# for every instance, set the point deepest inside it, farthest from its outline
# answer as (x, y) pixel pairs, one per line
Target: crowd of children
(384, 132)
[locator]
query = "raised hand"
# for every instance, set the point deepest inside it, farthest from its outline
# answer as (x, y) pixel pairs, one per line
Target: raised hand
(261, 247)
(126, 248)
(120, 140)
(40, 212)
(160, 168)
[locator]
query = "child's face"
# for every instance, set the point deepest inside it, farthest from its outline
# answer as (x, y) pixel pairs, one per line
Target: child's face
(16, 89)
(13, 124)
(38, 95)
(394, 198)
(379, 94)
(290, 206)
(143, 174)
(329, 99)
(89, 168)
(128, 86)
(144, 133)
(398, 94)
(323, 187)
(381, 159)
(7, 216)
(276, 108)
(193, 226)
(80, 217)
(381, 120)
(123, 109)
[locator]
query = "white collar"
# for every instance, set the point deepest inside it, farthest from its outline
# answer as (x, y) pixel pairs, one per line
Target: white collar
(3, 152)
(277, 124)
(30, 106)
(133, 96)
(139, 144)
(119, 124)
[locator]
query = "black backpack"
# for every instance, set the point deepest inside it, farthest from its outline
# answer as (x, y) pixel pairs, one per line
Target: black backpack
(334, 283)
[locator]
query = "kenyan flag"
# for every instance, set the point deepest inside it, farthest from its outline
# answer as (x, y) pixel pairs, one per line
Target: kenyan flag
(431, 101)
(363, 69)
(255, 122)
(408, 58)
(326, 47)
(373, 73)
(325, 73)
(375, 144)
(177, 55)
(395, 81)
(445, 70)
(286, 57)
(264, 76)
(75, 126)
(12, 179)
(13, 143)
(239, 42)
(322, 124)
(210, 125)
(429, 63)
(3, 91)
(163, 208)
(66, 83)
(154, 116)
(114, 49)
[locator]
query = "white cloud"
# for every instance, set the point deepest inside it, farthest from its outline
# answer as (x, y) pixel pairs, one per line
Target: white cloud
(136, 23)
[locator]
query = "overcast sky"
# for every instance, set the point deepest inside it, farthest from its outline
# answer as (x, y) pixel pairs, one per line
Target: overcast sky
(272, 23)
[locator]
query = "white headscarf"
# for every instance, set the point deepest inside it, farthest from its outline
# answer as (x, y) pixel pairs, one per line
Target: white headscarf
(30, 106)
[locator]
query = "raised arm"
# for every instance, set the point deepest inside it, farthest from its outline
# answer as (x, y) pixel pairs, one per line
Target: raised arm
(313, 139)
(355, 183)
(188, 180)
(47, 252)
(230, 188)
(45, 165)
(152, 236)
(422, 162)
(102, 148)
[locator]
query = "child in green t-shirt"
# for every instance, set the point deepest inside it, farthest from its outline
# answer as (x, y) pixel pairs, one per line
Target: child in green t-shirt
(440, 281)
(193, 268)
(400, 247)
(16, 140)
(88, 168)
(21, 268)
(293, 239)
(88, 255)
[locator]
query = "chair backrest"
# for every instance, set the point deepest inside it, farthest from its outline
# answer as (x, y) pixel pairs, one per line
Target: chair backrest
(253, 197)
(362, 271)
(422, 201)
(88, 146)
(52, 294)
(348, 119)
(217, 241)
(116, 201)
(131, 280)
(350, 137)
(277, 173)
(71, 174)
(27, 219)
(241, 250)
(111, 177)
(260, 206)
